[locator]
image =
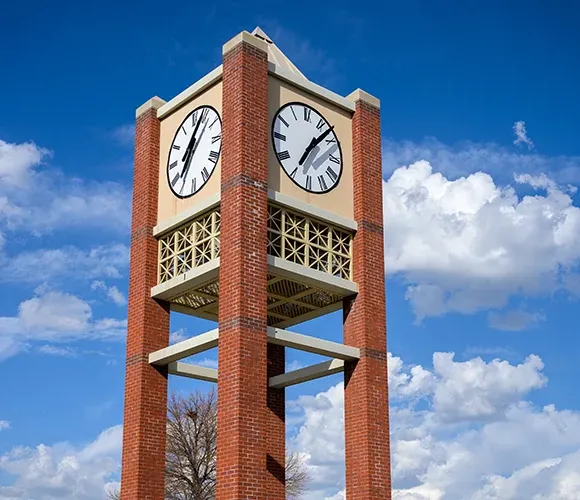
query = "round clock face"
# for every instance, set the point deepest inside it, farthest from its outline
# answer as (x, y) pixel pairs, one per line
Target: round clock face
(194, 152)
(307, 147)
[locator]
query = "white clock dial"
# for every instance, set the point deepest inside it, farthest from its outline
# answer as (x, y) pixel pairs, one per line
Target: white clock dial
(307, 147)
(194, 152)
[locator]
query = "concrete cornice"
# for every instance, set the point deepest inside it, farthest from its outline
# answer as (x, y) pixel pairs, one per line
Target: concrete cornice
(247, 37)
(153, 103)
(361, 95)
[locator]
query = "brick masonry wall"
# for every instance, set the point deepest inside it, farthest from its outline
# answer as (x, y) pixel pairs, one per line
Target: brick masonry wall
(243, 416)
(143, 461)
(367, 440)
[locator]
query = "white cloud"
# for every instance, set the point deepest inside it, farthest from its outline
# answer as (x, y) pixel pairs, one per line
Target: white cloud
(468, 244)
(4, 424)
(517, 452)
(53, 350)
(513, 320)
(54, 317)
(464, 158)
(67, 262)
(124, 134)
(522, 135)
(63, 470)
(177, 336)
(39, 201)
(112, 292)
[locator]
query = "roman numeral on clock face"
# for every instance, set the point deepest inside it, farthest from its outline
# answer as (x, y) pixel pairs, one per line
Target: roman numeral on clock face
(333, 159)
(332, 174)
(320, 124)
(281, 118)
(193, 185)
(213, 156)
(307, 112)
(173, 165)
(283, 155)
(205, 174)
(309, 183)
(176, 146)
(280, 136)
(322, 183)
(216, 138)
(175, 179)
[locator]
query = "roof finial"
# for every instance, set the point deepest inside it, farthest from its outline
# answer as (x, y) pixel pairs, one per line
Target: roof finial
(258, 32)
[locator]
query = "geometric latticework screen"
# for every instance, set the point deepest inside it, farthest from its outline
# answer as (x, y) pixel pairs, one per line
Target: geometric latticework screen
(292, 236)
(190, 245)
(303, 240)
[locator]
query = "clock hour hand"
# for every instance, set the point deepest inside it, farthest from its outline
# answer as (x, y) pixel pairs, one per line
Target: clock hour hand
(192, 152)
(188, 151)
(313, 143)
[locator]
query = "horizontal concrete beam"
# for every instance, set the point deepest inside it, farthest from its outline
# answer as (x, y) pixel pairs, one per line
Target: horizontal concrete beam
(305, 374)
(193, 371)
(185, 348)
(314, 345)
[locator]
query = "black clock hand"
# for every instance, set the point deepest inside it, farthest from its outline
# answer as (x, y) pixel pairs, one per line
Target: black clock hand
(313, 143)
(191, 144)
(192, 152)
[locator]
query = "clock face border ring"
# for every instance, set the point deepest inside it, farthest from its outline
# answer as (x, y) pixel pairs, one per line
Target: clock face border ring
(173, 141)
(299, 103)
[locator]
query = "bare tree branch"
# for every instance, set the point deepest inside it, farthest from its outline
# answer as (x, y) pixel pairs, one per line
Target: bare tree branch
(190, 472)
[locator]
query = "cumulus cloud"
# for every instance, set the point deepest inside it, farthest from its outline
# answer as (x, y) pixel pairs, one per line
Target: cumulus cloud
(467, 157)
(124, 134)
(513, 320)
(55, 317)
(4, 424)
(64, 470)
(69, 262)
(470, 440)
(467, 244)
(522, 134)
(112, 292)
(41, 200)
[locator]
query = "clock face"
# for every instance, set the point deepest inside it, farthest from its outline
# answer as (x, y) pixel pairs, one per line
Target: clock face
(307, 147)
(194, 152)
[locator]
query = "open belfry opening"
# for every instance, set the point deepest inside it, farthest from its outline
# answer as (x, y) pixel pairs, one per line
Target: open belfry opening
(257, 203)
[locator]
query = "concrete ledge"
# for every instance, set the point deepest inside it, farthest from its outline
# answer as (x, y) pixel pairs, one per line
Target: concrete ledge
(184, 349)
(188, 214)
(153, 103)
(312, 210)
(186, 281)
(190, 92)
(244, 36)
(311, 277)
(306, 374)
(193, 371)
(314, 345)
(311, 87)
(361, 95)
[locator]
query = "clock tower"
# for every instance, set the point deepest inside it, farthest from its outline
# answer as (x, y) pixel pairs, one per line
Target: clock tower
(257, 203)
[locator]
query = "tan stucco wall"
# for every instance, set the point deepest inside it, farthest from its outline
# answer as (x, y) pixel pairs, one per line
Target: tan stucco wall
(340, 199)
(169, 205)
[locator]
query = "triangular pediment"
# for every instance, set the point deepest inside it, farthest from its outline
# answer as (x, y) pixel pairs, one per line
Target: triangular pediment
(276, 56)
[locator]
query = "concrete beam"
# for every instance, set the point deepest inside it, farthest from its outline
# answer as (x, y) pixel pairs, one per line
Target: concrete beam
(305, 374)
(193, 371)
(185, 348)
(314, 345)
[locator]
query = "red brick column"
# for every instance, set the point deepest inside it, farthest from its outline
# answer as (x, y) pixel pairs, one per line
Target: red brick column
(143, 469)
(366, 419)
(242, 381)
(276, 422)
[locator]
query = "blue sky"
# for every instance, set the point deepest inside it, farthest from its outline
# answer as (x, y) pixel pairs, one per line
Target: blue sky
(482, 233)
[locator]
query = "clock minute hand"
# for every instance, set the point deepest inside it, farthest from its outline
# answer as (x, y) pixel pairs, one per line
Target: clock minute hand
(313, 143)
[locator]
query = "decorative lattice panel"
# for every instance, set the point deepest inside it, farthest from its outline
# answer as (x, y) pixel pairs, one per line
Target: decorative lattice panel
(190, 245)
(309, 242)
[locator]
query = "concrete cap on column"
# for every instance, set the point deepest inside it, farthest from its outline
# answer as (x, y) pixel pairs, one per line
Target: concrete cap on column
(153, 103)
(361, 95)
(245, 36)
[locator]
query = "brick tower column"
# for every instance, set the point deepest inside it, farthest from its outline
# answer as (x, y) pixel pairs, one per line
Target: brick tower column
(242, 382)
(366, 410)
(143, 469)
